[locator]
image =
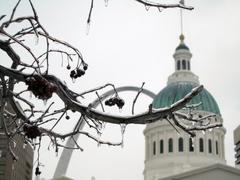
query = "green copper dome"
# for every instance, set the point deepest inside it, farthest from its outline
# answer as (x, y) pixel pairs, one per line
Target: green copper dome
(175, 91)
(182, 46)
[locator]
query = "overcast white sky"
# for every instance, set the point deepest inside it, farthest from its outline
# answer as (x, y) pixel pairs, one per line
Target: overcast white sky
(128, 45)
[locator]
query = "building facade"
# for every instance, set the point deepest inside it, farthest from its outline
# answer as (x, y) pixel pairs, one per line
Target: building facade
(9, 168)
(168, 152)
(236, 134)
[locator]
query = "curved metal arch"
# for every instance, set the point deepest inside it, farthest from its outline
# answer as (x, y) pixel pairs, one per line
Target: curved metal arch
(65, 157)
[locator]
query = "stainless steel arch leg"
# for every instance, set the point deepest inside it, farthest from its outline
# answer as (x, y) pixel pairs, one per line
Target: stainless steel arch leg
(65, 157)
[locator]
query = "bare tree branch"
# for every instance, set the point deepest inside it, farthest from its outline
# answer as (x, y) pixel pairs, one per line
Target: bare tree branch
(165, 6)
(31, 76)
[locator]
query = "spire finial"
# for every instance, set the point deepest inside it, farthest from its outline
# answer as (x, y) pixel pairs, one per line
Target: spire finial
(181, 37)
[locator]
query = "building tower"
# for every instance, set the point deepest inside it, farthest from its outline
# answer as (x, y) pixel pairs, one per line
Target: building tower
(166, 151)
(236, 135)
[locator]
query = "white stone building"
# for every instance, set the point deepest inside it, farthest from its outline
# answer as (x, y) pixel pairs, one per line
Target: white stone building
(171, 154)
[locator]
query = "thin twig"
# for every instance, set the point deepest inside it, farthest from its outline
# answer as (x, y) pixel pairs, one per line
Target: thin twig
(135, 99)
(13, 12)
(99, 99)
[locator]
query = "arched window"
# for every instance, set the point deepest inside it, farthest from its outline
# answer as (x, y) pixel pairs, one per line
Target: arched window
(154, 147)
(170, 145)
(191, 146)
(216, 147)
(178, 65)
(201, 146)
(188, 65)
(161, 146)
(184, 64)
(210, 146)
(180, 144)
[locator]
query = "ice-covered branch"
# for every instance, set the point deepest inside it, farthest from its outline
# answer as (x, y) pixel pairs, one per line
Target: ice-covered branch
(164, 6)
(73, 104)
(28, 73)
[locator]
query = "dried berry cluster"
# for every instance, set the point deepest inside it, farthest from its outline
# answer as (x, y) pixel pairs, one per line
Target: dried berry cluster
(115, 101)
(74, 74)
(37, 171)
(40, 87)
(77, 73)
(31, 131)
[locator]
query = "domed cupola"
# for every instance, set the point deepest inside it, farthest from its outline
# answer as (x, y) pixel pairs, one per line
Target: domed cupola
(182, 81)
(182, 57)
(168, 152)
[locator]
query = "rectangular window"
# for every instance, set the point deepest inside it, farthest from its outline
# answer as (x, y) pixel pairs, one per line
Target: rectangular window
(209, 146)
(191, 145)
(170, 145)
(216, 148)
(201, 146)
(161, 146)
(154, 147)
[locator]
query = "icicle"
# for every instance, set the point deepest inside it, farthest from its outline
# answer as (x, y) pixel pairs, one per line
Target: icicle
(24, 145)
(36, 40)
(120, 110)
(98, 144)
(147, 7)
(106, 3)
(13, 167)
(193, 140)
(88, 28)
(14, 144)
(103, 125)
(159, 9)
(56, 151)
(45, 102)
(34, 144)
(73, 80)
(62, 59)
(0, 153)
(123, 128)
(122, 143)
(98, 140)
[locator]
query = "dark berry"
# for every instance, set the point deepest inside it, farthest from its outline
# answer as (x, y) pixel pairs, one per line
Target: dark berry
(72, 74)
(107, 103)
(76, 76)
(120, 103)
(67, 117)
(37, 171)
(68, 67)
(85, 67)
(115, 100)
(80, 72)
